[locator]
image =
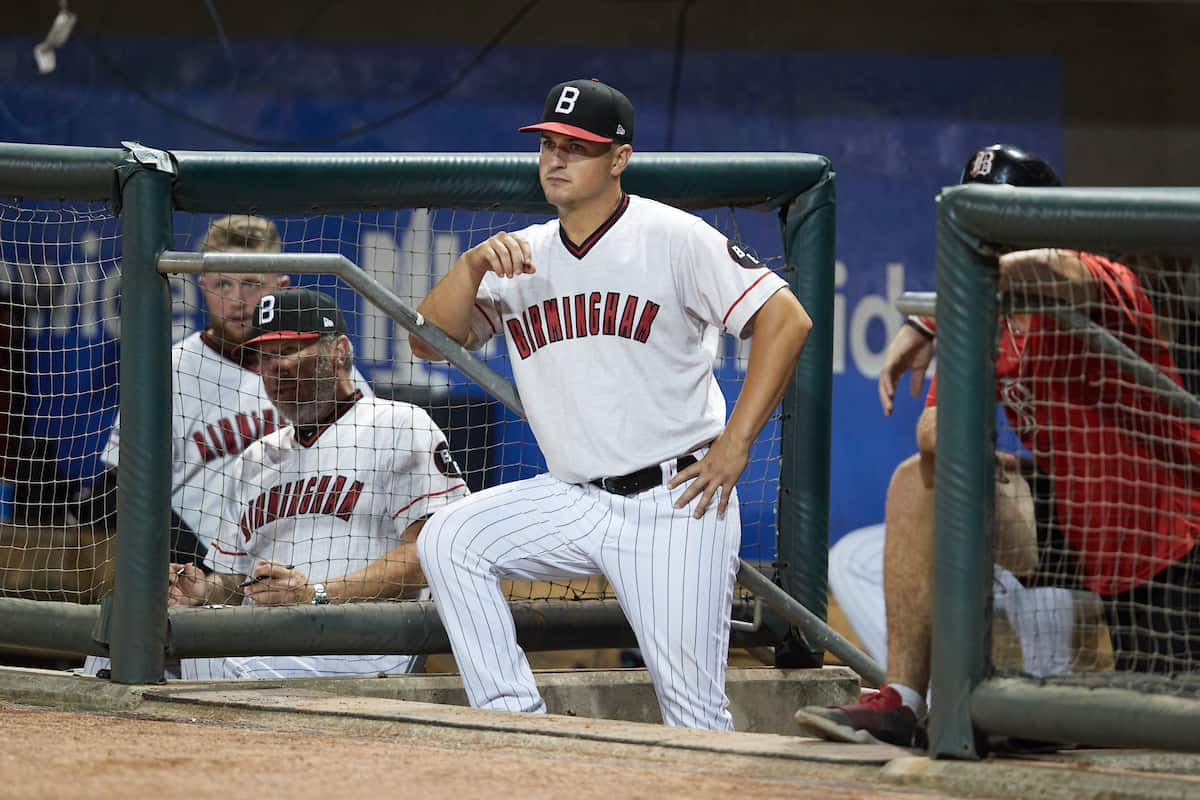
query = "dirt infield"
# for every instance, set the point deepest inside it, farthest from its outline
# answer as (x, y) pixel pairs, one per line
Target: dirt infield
(54, 754)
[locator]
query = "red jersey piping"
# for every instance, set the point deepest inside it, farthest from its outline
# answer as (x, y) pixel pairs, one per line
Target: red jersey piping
(743, 294)
(489, 319)
(430, 494)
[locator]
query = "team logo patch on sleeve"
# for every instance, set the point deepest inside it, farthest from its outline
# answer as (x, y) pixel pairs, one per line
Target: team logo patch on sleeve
(741, 257)
(445, 462)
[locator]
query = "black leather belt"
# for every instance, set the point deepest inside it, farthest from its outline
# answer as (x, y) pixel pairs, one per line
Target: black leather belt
(643, 479)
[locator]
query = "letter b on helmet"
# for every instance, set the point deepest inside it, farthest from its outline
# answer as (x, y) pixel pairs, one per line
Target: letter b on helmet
(1008, 165)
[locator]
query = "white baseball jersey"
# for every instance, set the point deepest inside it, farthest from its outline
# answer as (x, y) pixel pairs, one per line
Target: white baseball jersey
(330, 501)
(612, 344)
(333, 501)
(219, 408)
(612, 341)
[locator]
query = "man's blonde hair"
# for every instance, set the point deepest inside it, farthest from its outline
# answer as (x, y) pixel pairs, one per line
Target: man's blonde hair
(241, 231)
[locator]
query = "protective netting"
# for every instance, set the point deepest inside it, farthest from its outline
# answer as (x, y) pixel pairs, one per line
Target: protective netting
(59, 323)
(59, 386)
(1097, 577)
(407, 251)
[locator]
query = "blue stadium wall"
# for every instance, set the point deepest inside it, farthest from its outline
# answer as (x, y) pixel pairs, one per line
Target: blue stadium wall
(897, 128)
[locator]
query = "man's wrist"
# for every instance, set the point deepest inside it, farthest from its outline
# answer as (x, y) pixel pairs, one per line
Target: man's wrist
(336, 590)
(476, 264)
(221, 588)
(319, 594)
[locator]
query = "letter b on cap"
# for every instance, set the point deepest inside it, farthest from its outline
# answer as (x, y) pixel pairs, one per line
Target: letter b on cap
(266, 310)
(566, 100)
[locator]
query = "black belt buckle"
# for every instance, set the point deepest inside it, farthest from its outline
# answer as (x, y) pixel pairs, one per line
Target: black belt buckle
(641, 480)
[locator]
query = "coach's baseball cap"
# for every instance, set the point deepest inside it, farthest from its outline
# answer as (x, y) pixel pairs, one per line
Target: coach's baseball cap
(295, 314)
(588, 110)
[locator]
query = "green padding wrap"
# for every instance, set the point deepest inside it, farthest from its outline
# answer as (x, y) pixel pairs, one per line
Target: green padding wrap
(966, 437)
(808, 403)
(320, 182)
(48, 172)
(1093, 219)
(139, 627)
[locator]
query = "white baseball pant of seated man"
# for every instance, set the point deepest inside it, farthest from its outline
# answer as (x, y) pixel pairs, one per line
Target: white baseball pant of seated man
(1042, 617)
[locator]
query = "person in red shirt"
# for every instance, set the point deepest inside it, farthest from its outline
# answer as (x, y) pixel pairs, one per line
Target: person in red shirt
(1126, 467)
(1125, 471)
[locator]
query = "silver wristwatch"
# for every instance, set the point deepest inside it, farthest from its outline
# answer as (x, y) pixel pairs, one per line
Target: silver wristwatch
(320, 596)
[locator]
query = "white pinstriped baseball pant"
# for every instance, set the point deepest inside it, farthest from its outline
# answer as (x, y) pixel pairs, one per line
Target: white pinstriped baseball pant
(673, 576)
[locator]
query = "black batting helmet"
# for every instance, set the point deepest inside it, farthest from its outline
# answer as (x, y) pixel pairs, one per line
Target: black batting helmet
(1005, 164)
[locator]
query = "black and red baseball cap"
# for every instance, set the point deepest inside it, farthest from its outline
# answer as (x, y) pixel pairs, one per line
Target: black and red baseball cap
(1005, 164)
(295, 315)
(588, 110)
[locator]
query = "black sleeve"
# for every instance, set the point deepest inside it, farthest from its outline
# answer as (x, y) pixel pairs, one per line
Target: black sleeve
(96, 505)
(186, 547)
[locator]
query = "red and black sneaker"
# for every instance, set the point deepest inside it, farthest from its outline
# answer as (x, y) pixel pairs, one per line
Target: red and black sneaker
(876, 717)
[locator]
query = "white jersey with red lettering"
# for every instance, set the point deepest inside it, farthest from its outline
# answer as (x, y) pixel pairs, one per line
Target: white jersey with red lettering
(612, 343)
(219, 407)
(329, 501)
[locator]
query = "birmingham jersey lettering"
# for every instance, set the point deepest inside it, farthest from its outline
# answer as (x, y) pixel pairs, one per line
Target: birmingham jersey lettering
(650, 278)
(231, 436)
(584, 314)
(333, 505)
(326, 494)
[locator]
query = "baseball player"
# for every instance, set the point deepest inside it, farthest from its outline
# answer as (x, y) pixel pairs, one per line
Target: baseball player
(1119, 460)
(220, 404)
(612, 314)
(327, 508)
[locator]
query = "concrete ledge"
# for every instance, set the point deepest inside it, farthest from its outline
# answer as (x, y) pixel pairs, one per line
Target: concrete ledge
(762, 700)
(386, 705)
(311, 702)
(66, 690)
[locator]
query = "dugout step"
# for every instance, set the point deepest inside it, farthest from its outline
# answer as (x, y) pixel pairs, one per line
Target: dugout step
(762, 700)
(362, 714)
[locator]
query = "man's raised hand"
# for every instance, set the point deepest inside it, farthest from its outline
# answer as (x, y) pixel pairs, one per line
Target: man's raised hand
(504, 254)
